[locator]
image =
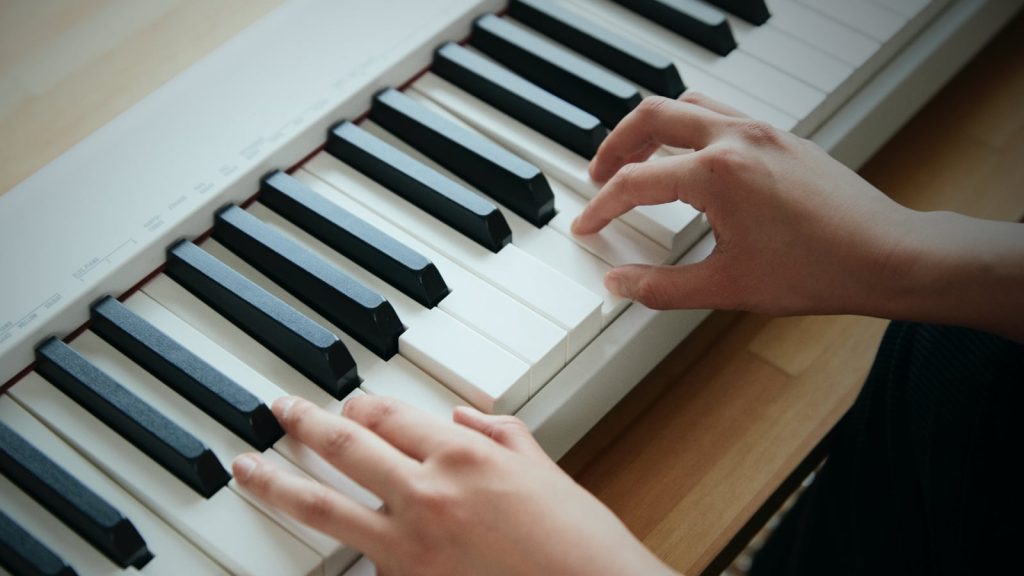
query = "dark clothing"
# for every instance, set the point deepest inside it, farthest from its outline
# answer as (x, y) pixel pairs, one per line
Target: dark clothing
(919, 478)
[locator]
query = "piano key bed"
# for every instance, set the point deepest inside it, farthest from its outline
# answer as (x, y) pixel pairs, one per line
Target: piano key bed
(420, 249)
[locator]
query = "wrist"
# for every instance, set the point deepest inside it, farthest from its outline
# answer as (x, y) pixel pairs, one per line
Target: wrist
(952, 269)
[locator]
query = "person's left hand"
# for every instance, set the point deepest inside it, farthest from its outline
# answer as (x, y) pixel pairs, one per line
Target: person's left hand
(477, 496)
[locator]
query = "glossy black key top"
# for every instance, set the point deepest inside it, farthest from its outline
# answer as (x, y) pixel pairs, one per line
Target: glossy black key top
(521, 99)
(21, 553)
(753, 11)
(305, 345)
(556, 69)
(613, 51)
(343, 300)
(389, 259)
(462, 209)
(502, 175)
(689, 18)
(78, 507)
(171, 446)
(222, 398)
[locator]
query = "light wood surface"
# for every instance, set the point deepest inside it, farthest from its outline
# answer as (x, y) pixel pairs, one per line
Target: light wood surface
(697, 448)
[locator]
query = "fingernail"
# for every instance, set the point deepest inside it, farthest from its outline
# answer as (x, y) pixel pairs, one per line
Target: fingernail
(614, 283)
(575, 225)
(282, 406)
(243, 466)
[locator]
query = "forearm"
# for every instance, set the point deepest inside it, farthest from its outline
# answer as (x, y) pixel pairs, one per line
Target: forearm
(953, 269)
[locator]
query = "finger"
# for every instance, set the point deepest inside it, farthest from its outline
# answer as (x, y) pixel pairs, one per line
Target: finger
(508, 431)
(656, 181)
(702, 100)
(362, 455)
(687, 286)
(412, 431)
(654, 122)
(308, 502)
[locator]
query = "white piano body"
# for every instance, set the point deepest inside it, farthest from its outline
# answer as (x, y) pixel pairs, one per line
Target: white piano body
(98, 219)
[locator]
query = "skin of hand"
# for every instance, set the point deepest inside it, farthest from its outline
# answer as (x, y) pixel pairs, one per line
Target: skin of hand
(796, 231)
(473, 496)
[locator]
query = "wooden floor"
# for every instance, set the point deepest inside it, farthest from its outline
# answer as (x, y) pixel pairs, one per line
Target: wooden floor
(691, 453)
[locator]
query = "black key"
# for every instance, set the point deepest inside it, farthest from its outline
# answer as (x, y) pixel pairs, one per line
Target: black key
(556, 69)
(689, 18)
(179, 452)
(396, 263)
(449, 202)
(21, 554)
(305, 345)
(753, 11)
(222, 398)
(613, 51)
(521, 99)
(497, 172)
(343, 300)
(78, 507)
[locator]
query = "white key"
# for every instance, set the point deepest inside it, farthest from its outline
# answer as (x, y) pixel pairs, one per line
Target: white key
(568, 305)
(698, 80)
(786, 93)
(225, 445)
(908, 8)
(674, 226)
(296, 453)
(871, 19)
(473, 301)
(172, 554)
(403, 381)
(821, 32)
(443, 347)
(529, 337)
(545, 244)
(399, 378)
(791, 55)
(204, 319)
(226, 527)
(52, 533)
(720, 90)
(617, 244)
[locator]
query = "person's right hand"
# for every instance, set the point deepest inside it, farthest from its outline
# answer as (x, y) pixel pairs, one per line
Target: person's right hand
(796, 231)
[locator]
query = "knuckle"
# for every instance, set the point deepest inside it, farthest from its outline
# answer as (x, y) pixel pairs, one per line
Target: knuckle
(760, 133)
(652, 107)
(652, 293)
(692, 97)
(372, 411)
(624, 181)
(461, 455)
(507, 425)
(338, 441)
(722, 160)
(313, 508)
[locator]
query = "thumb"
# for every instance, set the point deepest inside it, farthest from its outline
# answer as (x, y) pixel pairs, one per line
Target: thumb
(682, 286)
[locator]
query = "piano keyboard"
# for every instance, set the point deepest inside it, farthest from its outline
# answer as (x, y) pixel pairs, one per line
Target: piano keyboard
(421, 249)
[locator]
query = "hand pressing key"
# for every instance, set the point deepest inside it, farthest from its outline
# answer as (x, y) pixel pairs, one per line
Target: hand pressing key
(796, 231)
(472, 496)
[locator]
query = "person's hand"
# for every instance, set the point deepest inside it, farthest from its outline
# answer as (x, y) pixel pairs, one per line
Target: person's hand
(477, 496)
(795, 230)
